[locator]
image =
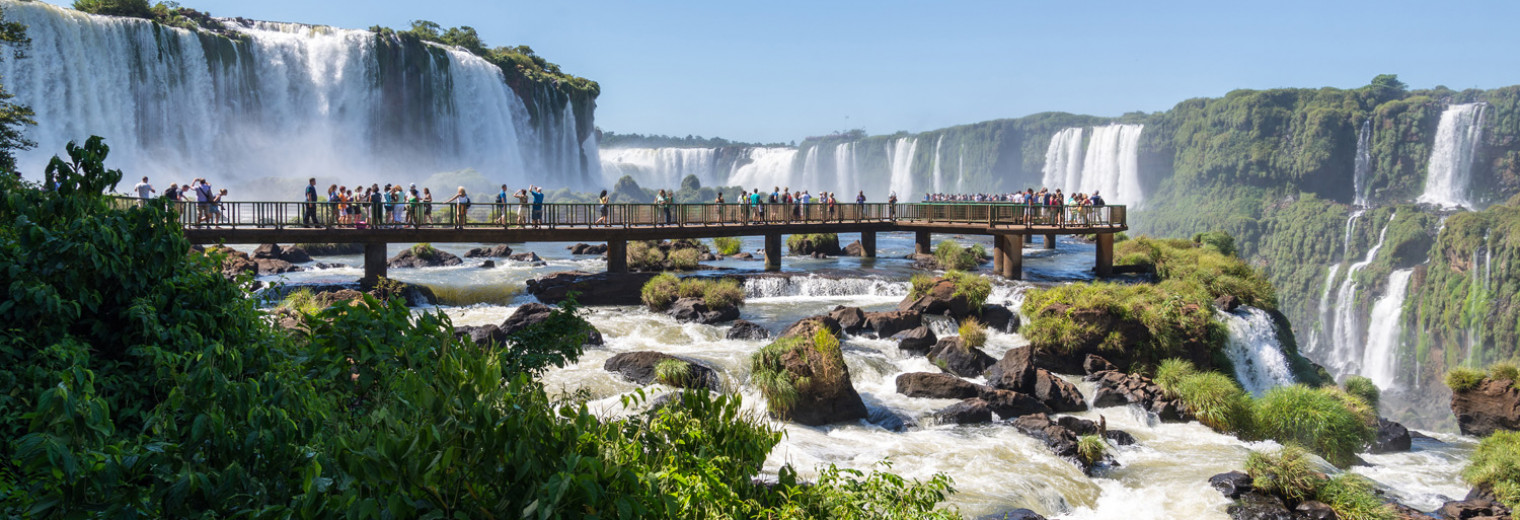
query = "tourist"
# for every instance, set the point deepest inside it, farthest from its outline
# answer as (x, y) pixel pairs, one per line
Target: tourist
(538, 205)
(343, 198)
(892, 205)
(522, 206)
(330, 211)
(427, 206)
(601, 208)
(215, 209)
(172, 194)
(662, 204)
(461, 203)
(414, 207)
(144, 191)
(377, 211)
(398, 205)
(860, 205)
(501, 205)
(1097, 200)
(309, 216)
(203, 196)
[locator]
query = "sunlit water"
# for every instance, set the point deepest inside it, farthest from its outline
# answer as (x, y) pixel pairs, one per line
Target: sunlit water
(995, 468)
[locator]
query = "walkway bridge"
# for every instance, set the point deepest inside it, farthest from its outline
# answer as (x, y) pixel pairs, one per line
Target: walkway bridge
(1010, 225)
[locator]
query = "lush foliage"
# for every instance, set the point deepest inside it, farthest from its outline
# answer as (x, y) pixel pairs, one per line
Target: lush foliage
(952, 256)
(1200, 270)
(1495, 465)
(795, 364)
(1290, 474)
(166, 13)
(1504, 372)
(1462, 379)
(820, 241)
(683, 259)
(1216, 401)
(1141, 323)
(673, 372)
(1091, 448)
(1354, 497)
(1317, 419)
(727, 246)
(425, 251)
(519, 60)
(1171, 372)
(663, 290)
(1364, 389)
(973, 333)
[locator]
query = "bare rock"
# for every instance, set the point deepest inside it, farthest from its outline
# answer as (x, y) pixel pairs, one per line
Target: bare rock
(918, 340)
(953, 356)
(937, 386)
(970, 411)
(746, 330)
(1491, 406)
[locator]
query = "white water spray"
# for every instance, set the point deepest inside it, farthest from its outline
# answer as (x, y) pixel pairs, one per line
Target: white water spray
(1448, 179)
(660, 167)
(1385, 326)
(902, 167)
(1254, 349)
(1345, 354)
(1363, 165)
(1063, 160)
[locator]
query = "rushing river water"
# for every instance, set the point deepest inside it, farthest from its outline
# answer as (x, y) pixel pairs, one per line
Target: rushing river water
(995, 468)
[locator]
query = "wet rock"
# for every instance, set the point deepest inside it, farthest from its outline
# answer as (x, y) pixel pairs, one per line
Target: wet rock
(268, 266)
(1094, 364)
(1117, 388)
(325, 265)
(1009, 405)
(953, 356)
(885, 418)
(970, 411)
(744, 256)
(1232, 484)
(1255, 505)
(592, 289)
(488, 264)
(1017, 514)
(808, 324)
(483, 335)
(294, 255)
(940, 299)
(1015, 371)
(917, 340)
(695, 310)
(828, 396)
(706, 257)
(237, 265)
(1060, 440)
(588, 249)
(888, 324)
(534, 313)
(854, 249)
(1314, 510)
(1227, 303)
(746, 330)
(851, 319)
(267, 251)
(1082, 426)
(498, 251)
(529, 257)
(937, 386)
(1391, 437)
(1057, 393)
(1477, 505)
(999, 318)
(1491, 406)
(408, 258)
(641, 368)
(811, 246)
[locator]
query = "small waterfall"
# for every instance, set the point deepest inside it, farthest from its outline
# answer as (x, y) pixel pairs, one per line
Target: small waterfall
(1111, 166)
(845, 171)
(902, 167)
(1253, 348)
(660, 167)
(1326, 313)
(1448, 180)
(960, 180)
(1363, 163)
(1350, 226)
(1385, 326)
(938, 186)
(765, 168)
(814, 286)
(1063, 159)
(810, 173)
(1345, 353)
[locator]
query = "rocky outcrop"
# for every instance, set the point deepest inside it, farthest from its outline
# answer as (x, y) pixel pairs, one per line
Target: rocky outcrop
(939, 299)
(1008, 404)
(1118, 389)
(809, 324)
(917, 340)
(1057, 393)
(1391, 437)
(498, 251)
(970, 411)
(1255, 505)
(532, 314)
(937, 386)
(1058, 437)
(1232, 484)
(1492, 405)
(1016, 371)
(294, 255)
(591, 289)
(888, 324)
(695, 310)
(529, 257)
(746, 330)
(1016, 514)
(587, 249)
(999, 318)
(1094, 364)
(827, 396)
(851, 319)
(854, 249)
(267, 251)
(808, 245)
(413, 258)
(953, 356)
(1478, 505)
(642, 368)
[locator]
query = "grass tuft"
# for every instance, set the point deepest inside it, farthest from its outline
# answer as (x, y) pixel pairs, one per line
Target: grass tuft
(727, 246)
(1216, 401)
(1504, 372)
(1170, 374)
(1462, 379)
(1090, 448)
(1289, 473)
(1353, 497)
(973, 333)
(1496, 465)
(1317, 419)
(673, 372)
(1363, 388)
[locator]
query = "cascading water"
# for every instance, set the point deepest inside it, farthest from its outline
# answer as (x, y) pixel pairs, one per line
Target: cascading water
(1063, 159)
(1326, 313)
(1255, 351)
(765, 168)
(814, 286)
(810, 174)
(846, 173)
(960, 179)
(1448, 181)
(938, 184)
(902, 167)
(285, 101)
(1111, 166)
(1363, 165)
(660, 167)
(1385, 326)
(1346, 353)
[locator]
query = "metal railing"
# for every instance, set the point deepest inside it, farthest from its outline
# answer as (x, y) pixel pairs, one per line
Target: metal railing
(255, 214)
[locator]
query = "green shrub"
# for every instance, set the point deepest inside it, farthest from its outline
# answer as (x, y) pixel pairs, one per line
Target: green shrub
(820, 241)
(1315, 419)
(672, 372)
(1172, 371)
(684, 259)
(1353, 497)
(921, 283)
(973, 333)
(727, 246)
(424, 251)
(661, 291)
(1363, 388)
(331, 249)
(1462, 379)
(724, 293)
(1216, 401)
(1289, 473)
(1218, 241)
(644, 255)
(1356, 405)
(773, 380)
(1504, 372)
(1090, 448)
(1496, 465)
(951, 255)
(1168, 320)
(975, 288)
(301, 301)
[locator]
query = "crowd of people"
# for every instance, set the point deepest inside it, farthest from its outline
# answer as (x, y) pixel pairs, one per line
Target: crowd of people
(208, 207)
(1030, 197)
(393, 206)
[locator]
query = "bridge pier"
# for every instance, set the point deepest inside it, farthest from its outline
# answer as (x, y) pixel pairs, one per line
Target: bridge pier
(999, 244)
(868, 244)
(1009, 256)
(375, 264)
(1050, 241)
(773, 252)
(1028, 239)
(617, 256)
(1105, 260)
(921, 243)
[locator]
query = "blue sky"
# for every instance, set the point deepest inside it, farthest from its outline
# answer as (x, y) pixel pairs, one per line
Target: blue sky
(784, 70)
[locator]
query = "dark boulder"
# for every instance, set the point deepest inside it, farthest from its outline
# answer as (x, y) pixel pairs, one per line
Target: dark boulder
(1117, 388)
(1015, 371)
(1094, 364)
(587, 249)
(746, 330)
(237, 264)
(917, 340)
(529, 257)
(970, 411)
(591, 289)
(887, 420)
(1479, 504)
(1057, 393)
(851, 319)
(267, 251)
(854, 249)
(1082, 426)
(937, 386)
(743, 256)
(941, 298)
(810, 323)
(484, 335)
(827, 396)
(534, 313)
(409, 258)
(1391, 437)
(888, 324)
(695, 310)
(999, 318)
(706, 257)
(1008, 404)
(1255, 505)
(1227, 303)
(1314, 510)
(1017, 514)
(953, 356)
(268, 266)
(1232, 484)
(498, 251)
(294, 255)
(1489, 407)
(488, 264)
(642, 368)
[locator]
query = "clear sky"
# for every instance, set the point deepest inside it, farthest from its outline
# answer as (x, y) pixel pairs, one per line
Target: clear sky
(784, 70)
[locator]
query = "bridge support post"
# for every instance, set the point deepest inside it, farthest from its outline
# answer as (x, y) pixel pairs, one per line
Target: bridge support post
(999, 249)
(1013, 258)
(617, 256)
(1050, 241)
(868, 244)
(773, 252)
(1105, 263)
(375, 264)
(1028, 239)
(921, 243)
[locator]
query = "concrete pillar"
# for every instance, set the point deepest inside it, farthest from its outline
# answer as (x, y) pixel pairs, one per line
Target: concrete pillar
(1050, 241)
(1105, 263)
(868, 244)
(773, 252)
(921, 243)
(375, 263)
(1028, 239)
(999, 247)
(1013, 259)
(617, 256)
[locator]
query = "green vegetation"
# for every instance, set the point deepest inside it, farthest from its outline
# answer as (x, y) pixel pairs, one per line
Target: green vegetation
(1353, 497)
(663, 290)
(1289, 473)
(166, 13)
(684, 259)
(1217, 402)
(975, 288)
(424, 251)
(1504, 372)
(973, 333)
(1091, 448)
(1172, 371)
(727, 246)
(1462, 379)
(820, 242)
(1132, 323)
(673, 372)
(168, 394)
(1317, 419)
(331, 249)
(795, 364)
(1201, 270)
(301, 301)
(1363, 389)
(1495, 465)
(951, 256)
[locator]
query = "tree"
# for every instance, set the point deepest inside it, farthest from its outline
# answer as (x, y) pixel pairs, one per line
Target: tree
(132, 8)
(691, 183)
(13, 117)
(1387, 87)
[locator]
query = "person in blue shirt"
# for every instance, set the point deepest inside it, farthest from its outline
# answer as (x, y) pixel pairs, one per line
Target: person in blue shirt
(501, 205)
(538, 205)
(309, 217)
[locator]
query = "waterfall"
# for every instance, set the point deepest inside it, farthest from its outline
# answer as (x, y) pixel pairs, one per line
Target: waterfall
(810, 174)
(938, 187)
(1253, 348)
(286, 100)
(1110, 167)
(1448, 180)
(814, 286)
(902, 167)
(845, 171)
(1344, 354)
(960, 179)
(1385, 326)
(764, 168)
(660, 167)
(1350, 226)
(1363, 164)
(1325, 311)
(1063, 160)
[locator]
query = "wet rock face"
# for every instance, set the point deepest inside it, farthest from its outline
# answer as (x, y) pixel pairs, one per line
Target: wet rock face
(1015, 371)
(940, 299)
(970, 411)
(1391, 437)
(1232, 484)
(746, 330)
(534, 313)
(499, 251)
(641, 368)
(936, 386)
(851, 319)
(1255, 505)
(408, 258)
(999, 318)
(1062, 436)
(695, 310)
(593, 289)
(1058, 394)
(1118, 389)
(917, 340)
(588, 249)
(888, 324)
(952, 356)
(1493, 405)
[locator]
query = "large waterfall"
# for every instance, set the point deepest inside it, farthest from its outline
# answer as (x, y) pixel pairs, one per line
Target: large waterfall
(285, 100)
(1384, 330)
(1346, 333)
(1255, 351)
(901, 156)
(660, 167)
(938, 174)
(846, 172)
(765, 168)
(1363, 165)
(1448, 179)
(1110, 165)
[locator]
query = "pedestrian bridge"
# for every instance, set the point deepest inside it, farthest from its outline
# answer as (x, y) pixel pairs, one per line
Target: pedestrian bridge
(375, 225)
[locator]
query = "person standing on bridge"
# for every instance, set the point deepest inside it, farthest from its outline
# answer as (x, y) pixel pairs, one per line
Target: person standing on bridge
(309, 216)
(860, 205)
(144, 191)
(538, 205)
(522, 206)
(427, 206)
(501, 205)
(662, 204)
(462, 208)
(601, 209)
(892, 205)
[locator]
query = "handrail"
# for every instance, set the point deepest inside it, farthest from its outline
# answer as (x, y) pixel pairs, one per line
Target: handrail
(283, 214)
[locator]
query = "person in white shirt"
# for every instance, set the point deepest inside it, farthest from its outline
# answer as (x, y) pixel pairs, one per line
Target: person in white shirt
(144, 191)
